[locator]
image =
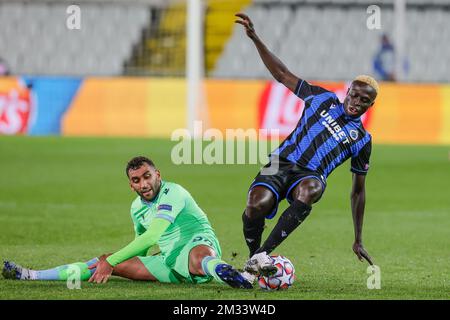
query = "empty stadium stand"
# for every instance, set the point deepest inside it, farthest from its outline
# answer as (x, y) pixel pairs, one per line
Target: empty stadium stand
(34, 38)
(317, 39)
(329, 40)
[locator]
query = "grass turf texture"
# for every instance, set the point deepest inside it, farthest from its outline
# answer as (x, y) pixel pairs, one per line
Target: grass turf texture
(66, 199)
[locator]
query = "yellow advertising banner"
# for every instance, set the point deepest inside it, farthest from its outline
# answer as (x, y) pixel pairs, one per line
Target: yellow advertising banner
(445, 114)
(407, 113)
(126, 107)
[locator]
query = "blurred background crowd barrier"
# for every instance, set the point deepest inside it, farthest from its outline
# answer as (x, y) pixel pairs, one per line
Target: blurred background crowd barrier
(155, 107)
(125, 71)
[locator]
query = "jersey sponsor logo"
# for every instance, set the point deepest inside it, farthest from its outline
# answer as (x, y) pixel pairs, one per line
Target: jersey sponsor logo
(16, 109)
(333, 127)
(166, 207)
(281, 109)
(354, 134)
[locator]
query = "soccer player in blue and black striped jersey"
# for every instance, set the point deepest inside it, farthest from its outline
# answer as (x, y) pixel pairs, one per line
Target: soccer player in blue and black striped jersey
(328, 133)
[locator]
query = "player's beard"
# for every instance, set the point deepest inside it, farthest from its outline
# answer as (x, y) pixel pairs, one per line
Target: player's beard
(155, 188)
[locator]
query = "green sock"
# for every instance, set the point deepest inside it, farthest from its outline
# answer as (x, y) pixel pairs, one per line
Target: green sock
(65, 271)
(209, 265)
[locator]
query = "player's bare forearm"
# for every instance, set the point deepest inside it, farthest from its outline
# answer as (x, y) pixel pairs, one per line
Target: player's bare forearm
(358, 201)
(277, 68)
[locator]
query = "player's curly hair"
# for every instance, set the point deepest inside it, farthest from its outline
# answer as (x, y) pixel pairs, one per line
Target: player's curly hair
(137, 162)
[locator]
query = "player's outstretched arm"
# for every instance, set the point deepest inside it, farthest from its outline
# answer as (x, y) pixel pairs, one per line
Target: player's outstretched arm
(358, 201)
(104, 267)
(278, 70)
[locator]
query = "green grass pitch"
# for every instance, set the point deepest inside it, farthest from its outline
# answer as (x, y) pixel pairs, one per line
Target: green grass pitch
(66, 199)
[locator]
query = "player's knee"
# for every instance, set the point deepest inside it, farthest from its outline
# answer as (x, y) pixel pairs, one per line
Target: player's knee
(314, 193)
(308, 191)
(196, 257)
(259, 204)
(256, 210)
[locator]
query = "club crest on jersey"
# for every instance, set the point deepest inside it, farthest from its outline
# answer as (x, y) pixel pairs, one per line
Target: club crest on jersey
(354, 134)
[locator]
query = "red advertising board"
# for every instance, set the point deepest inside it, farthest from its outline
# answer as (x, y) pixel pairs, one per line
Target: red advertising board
(16, 107)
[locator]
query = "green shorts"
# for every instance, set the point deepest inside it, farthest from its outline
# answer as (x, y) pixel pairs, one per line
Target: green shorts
(173, 266)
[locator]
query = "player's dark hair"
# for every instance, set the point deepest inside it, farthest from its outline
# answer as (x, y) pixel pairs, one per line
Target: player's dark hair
(137, 162)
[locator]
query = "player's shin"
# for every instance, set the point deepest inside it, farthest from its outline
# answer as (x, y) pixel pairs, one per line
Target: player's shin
(65, 271)
(291, 218)
(253, 229)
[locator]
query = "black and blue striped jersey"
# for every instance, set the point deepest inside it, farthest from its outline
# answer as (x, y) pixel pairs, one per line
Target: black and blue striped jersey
(325, 135)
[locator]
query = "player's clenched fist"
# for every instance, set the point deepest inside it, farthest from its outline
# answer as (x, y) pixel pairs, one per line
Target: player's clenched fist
(247, 23)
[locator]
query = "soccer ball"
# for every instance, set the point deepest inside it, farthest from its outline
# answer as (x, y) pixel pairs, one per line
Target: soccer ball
(283, 279)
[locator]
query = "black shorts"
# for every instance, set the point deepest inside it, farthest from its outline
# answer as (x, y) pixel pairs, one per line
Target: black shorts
(281, 176)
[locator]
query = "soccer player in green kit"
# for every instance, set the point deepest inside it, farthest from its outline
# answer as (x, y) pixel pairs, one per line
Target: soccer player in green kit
(164, 213)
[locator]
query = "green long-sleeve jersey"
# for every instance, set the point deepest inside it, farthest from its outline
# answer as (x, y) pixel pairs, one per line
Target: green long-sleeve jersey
(170, 220)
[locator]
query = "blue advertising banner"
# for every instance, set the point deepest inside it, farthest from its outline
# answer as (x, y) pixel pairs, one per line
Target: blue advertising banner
(35, 105)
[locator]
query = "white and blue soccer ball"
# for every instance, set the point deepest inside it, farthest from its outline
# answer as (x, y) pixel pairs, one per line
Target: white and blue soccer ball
(283, 279)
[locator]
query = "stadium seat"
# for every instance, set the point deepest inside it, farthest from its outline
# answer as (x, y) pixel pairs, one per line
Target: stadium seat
(104, 42)
(306, 39)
